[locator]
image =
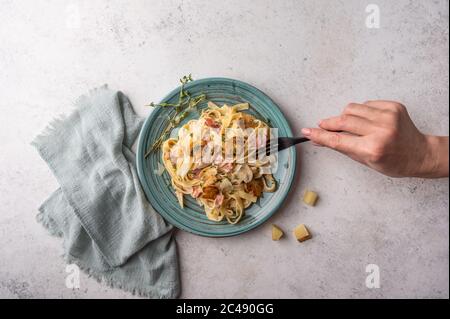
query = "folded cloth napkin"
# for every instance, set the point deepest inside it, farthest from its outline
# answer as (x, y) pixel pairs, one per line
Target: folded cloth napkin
(100, 211)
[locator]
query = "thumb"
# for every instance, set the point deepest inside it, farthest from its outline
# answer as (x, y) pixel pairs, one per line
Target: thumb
(343, 143)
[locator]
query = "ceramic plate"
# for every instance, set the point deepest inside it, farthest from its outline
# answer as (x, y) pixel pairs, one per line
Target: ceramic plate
(158, 188)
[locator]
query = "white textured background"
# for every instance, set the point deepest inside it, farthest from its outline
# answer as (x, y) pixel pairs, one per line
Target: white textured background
(311, 57)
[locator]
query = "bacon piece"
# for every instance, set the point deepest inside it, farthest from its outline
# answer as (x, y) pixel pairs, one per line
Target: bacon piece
(174, 155)
(219, 200)
(196, 172)
(211, 123)
(196, 191)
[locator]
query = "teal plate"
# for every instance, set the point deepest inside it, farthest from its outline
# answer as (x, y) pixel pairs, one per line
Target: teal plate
(158, 188)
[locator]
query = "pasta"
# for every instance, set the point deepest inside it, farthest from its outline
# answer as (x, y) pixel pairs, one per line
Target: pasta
(213, 159)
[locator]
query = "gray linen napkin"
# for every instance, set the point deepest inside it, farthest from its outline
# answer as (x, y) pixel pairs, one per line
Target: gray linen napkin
(108, 227)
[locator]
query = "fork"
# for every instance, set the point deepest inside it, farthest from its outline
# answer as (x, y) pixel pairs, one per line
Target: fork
(282, 143)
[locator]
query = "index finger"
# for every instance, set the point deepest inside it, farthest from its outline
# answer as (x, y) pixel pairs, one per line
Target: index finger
(344, 143)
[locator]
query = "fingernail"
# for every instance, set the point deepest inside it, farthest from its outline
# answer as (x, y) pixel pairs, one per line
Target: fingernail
(319, 123)
(306, 131)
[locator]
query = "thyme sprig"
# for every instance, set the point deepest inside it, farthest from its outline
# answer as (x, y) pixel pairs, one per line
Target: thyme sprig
(186, 103)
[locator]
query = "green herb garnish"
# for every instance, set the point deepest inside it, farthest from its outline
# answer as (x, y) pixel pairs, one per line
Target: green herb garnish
(186, 103)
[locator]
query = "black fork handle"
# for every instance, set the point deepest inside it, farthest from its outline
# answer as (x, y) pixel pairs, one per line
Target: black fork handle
(299, 140)
(288, 142)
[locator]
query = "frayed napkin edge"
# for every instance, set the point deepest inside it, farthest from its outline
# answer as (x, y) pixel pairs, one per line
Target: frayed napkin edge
(172, 291)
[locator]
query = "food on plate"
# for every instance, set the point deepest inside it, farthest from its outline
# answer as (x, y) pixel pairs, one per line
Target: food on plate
(186, 104)
(301, 233)
(277, 233)
(224, 183)
(310, 198)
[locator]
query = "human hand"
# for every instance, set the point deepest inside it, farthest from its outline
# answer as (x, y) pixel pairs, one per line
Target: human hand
(381, 135)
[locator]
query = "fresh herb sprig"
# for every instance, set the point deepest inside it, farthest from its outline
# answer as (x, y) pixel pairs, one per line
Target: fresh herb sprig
(186, 103)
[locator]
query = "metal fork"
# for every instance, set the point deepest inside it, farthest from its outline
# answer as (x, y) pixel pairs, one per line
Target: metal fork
(282, 143)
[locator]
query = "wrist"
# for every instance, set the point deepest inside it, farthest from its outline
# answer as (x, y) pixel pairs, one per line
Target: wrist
(435, 163)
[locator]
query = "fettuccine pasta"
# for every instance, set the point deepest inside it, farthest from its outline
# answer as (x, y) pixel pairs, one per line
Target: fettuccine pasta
(224, 181)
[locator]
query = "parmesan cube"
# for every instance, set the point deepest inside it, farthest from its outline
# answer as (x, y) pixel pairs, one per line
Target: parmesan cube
(301, 233)
(277, 233)
(310, 198)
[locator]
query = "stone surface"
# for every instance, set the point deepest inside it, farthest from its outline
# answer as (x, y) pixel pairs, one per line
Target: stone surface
(311, 57)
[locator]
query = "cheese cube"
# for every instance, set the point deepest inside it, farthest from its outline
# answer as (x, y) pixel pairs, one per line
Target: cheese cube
(310, 198)
(277, 233)
(301, 233)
